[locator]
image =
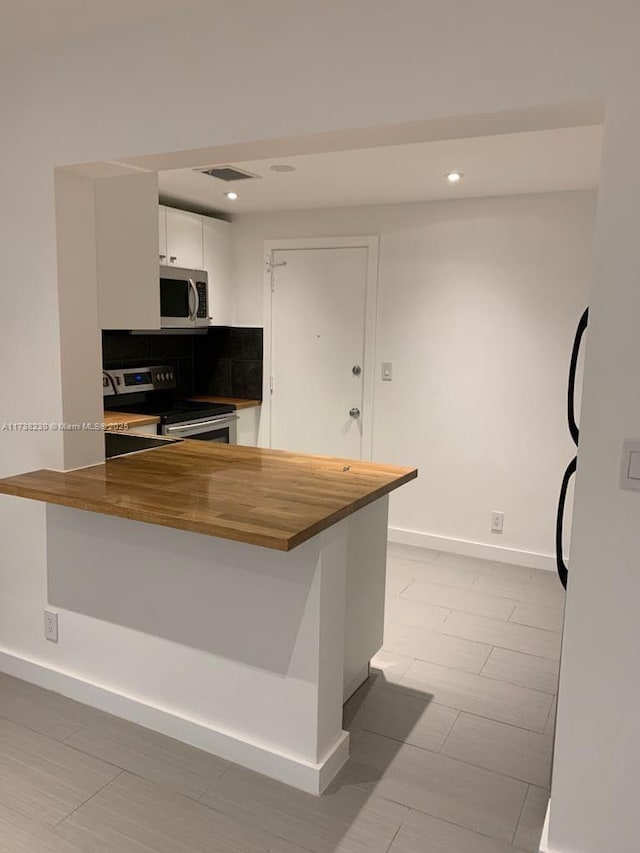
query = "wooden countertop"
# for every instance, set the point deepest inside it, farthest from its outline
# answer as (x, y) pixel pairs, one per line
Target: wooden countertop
(271, 498)
(238, 402)
(125, 419)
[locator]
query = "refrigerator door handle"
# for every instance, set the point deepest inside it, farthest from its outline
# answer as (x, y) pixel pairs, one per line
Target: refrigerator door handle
(573, 369)
(563, 572)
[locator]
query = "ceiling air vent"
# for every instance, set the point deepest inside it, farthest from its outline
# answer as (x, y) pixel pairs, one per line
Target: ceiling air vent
(227, 173)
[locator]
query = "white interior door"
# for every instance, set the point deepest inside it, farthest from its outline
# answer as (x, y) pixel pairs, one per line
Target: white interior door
(318, 319)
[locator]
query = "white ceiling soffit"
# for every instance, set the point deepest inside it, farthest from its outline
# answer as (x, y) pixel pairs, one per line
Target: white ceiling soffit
(582, 113)
(506, 164)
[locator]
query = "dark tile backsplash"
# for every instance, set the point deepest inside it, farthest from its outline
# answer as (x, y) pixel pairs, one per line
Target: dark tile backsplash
(122, 350)
(171, 346)
(229, 363)
(244, 345)
(213, 376)
(226, 361)
(246, 378)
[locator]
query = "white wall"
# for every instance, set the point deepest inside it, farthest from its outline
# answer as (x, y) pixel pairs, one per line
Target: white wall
(599, 689)
(323, 65)
(478, 303)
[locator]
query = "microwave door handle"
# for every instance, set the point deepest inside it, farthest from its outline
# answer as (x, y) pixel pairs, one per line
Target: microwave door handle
(193, 290)
(197, 295)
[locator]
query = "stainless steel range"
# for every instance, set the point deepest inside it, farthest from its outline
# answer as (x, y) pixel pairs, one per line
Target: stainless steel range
(151, 390)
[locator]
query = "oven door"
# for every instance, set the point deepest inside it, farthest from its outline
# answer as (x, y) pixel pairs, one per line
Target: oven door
(179, 304)
(222, 429)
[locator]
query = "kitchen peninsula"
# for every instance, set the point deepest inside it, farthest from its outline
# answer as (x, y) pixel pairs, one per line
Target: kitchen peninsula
(251, 583)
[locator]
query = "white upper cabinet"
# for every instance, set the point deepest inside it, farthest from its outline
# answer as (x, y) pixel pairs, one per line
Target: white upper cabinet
(162, 234)
(202, 243)
(184, 239)
(217, 262)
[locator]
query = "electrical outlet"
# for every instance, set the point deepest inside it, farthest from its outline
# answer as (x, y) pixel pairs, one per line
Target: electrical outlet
(51, 626)
(497, 522)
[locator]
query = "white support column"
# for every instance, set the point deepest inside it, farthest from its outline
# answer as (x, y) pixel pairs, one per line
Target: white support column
(80, 344)
(366, 578)
(107, 263)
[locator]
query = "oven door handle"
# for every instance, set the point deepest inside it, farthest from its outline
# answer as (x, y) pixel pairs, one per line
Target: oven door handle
(193, 312)
(222, 421)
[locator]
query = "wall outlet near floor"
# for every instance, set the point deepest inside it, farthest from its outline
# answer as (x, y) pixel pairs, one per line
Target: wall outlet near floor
(51, 626)
(497, 522)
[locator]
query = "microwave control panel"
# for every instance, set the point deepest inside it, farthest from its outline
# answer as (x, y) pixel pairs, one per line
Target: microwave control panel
(201, 287)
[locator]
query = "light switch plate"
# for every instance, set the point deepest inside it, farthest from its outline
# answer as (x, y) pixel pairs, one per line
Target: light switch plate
(387, 371)
(634, 465)
(630, 466)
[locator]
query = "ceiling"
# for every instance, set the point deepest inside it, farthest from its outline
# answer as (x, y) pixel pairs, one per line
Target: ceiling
(29, 21)
(504, 164)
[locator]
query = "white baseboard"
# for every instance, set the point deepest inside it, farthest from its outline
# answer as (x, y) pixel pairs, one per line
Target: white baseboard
(309, 777)
(544, 840)
(332, 764)
(530, 559)
(357, 681)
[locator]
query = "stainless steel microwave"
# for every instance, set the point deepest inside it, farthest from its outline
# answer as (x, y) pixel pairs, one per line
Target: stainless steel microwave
(184, 298)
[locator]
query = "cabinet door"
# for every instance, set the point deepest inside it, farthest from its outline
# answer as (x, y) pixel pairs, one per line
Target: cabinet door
(145, 429)
(162, 234)
(248, 426)
(217, 262)
(184, 239)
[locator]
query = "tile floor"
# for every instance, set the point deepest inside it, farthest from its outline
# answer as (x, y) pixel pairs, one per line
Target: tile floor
(450, 747)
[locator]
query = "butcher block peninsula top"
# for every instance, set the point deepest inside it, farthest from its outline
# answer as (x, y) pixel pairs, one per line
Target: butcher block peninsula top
(275, 499)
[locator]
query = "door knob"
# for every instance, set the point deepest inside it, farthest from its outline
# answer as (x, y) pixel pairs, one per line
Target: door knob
(356, 370)
(355, 413)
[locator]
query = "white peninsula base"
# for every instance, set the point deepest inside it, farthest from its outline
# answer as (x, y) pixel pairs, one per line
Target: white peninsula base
(243, 651)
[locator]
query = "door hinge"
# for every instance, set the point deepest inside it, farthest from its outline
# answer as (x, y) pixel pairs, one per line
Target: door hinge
(271, 383)
(271, 266)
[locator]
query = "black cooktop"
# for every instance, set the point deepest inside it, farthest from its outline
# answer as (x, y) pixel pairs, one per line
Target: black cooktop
(170, 412)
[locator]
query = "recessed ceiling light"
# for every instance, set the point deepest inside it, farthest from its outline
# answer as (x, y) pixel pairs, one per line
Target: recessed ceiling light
(453, 177)
(282, 167)
(231, 196)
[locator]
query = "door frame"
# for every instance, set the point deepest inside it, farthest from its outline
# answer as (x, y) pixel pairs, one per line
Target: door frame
(371, 243)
